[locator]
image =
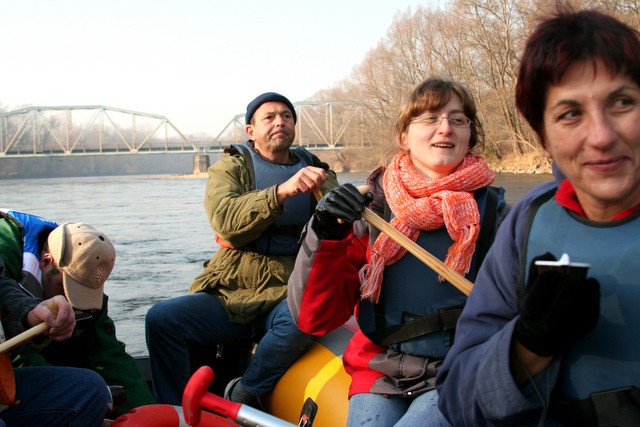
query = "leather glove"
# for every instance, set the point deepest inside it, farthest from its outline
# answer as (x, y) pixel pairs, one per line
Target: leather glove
(556, 309)
(344, 203)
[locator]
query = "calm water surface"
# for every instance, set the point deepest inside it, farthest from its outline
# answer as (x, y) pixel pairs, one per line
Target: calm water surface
(159, 229)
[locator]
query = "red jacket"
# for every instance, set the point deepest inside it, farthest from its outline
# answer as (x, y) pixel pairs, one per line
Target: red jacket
(323, 293)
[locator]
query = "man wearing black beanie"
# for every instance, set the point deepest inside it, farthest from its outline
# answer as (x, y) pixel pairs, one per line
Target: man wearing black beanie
(257, 199)
(268, 97)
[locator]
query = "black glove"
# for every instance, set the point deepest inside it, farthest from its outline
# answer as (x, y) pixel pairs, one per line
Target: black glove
(344, 203)
(556, 309)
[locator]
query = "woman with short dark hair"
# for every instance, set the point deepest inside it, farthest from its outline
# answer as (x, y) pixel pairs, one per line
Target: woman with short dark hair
(544, 345)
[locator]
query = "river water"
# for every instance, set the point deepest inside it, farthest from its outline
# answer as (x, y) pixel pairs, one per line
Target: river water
(159, 229)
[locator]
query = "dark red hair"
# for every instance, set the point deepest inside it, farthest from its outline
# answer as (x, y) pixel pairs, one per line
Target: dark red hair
(561, 41)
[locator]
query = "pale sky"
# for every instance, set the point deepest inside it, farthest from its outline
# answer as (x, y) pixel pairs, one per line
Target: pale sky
(197, 62)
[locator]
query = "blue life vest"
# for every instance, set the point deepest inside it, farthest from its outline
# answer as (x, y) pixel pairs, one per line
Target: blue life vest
(24, 263)
(417, 314)
(281, 237)
(608, 357)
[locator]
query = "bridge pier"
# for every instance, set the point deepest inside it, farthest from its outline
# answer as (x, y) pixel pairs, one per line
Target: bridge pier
(200, 163)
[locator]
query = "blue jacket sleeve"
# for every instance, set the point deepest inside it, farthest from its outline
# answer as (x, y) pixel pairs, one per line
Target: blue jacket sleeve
(475, 384)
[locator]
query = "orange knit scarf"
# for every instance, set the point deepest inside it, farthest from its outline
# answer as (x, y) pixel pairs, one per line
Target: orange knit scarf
(420, 203)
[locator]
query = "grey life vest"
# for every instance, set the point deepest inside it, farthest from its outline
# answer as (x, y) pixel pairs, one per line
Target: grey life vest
(600, 372)
(417, 314)
(281, 237)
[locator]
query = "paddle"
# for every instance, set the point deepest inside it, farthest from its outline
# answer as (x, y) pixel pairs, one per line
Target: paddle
(28, 334)
(7, 378)
(452, 276)
(23, 337)
(196, 396)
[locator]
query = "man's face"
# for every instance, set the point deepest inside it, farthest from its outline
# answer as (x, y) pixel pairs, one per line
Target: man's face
(51, 277)
(272, 129)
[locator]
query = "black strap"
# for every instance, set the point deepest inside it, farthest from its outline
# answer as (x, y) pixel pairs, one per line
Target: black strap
(244, 151)
(533, 208)
(308, 158)
(488, 226)
(618, 407)
(304, 154)
(444, 319)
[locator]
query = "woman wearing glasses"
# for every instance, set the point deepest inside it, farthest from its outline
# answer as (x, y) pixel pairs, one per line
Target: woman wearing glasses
(436, 192)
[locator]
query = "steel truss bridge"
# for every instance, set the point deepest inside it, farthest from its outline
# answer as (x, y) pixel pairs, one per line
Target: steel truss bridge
(98, 130)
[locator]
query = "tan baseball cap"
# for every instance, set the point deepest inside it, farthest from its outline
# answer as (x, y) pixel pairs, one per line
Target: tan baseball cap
(86, 257)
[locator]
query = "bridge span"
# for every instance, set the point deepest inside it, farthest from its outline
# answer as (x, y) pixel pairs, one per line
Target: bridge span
(101, 130)
(59, 141)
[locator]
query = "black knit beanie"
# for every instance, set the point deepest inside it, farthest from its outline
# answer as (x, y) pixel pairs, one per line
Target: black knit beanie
(268, 97)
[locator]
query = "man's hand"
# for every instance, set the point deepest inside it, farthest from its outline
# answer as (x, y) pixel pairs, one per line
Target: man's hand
(306, 180)
(58, 313)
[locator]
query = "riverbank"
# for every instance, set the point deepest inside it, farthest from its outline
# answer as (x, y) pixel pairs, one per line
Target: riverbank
(527, 164)
(536, 169)
(201, 175)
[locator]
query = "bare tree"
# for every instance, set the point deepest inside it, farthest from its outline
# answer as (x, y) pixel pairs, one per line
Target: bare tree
(478, 42)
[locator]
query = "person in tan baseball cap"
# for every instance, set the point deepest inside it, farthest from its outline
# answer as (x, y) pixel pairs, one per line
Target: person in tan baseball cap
(86, 258)
(74, 260)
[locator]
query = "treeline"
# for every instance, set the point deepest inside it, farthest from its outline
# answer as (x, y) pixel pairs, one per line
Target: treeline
(478, 42)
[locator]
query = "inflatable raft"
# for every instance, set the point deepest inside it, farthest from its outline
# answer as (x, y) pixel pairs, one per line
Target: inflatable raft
(316, 382)
(318, 374)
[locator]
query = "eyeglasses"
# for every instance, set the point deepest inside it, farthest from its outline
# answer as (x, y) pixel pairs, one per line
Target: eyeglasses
(431, 119)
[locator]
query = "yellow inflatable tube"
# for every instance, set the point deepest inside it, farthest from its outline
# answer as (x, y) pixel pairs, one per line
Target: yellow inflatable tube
(320, 375)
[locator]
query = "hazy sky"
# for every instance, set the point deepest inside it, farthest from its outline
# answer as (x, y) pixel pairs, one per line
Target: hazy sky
(197, 62)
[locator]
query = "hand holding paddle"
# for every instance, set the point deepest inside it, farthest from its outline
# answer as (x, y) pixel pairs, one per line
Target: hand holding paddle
(23, 337)
(337, 210)
(55, 316)
(452, 276)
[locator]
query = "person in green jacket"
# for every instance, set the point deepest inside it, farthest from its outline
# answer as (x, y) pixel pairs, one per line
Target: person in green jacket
(258, 198)
(74, 260)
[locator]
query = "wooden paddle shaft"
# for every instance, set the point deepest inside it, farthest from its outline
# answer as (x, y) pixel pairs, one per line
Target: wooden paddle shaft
(29, 333)
(452, 276)
(23, 337)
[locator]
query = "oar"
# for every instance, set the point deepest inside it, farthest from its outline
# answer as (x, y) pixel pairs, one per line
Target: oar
(196, 396)
(24, 337)
(452, 276)
(28, 334)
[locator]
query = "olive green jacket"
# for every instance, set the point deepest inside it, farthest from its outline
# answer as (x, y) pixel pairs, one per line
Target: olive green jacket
(248, 283)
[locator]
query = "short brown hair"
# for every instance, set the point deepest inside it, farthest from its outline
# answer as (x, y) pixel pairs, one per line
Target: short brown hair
(433, 94)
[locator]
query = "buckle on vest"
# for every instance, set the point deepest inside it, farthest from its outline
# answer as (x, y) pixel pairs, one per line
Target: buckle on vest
(617, 407)
(449, 317)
